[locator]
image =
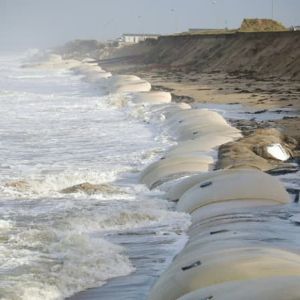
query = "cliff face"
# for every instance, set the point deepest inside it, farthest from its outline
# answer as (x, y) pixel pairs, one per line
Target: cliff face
(262, 55)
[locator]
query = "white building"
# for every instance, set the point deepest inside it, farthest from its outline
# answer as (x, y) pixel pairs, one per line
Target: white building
(134, 38)
(295, 28)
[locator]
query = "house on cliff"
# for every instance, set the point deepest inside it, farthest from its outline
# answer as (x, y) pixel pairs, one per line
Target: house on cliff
(134, 38)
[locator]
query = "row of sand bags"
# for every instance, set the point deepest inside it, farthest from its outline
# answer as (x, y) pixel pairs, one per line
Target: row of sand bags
(132, 88)
(237, 241)
(236, 244)
(235, 249)
(197, 132)
(139, 90)
(93, 73)
(112, 83)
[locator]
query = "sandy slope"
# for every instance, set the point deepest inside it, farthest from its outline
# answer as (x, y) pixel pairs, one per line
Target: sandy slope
(260, 55)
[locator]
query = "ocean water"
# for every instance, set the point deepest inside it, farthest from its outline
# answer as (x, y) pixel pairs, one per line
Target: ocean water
(57, 131)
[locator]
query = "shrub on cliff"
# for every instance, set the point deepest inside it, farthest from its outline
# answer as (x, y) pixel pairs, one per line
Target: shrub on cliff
(258, 25)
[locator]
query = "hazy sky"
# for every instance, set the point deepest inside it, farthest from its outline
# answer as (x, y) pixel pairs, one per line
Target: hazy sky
(43, 23)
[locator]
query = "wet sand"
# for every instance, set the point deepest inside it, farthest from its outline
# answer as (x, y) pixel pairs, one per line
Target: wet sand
(256, 96)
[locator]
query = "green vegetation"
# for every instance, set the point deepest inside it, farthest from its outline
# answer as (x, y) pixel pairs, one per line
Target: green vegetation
(261, 25)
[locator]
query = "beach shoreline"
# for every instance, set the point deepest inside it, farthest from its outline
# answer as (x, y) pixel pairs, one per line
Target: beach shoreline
(258, 70)
(207, 90)
(254, 95)
(265, 104)
(266, 110)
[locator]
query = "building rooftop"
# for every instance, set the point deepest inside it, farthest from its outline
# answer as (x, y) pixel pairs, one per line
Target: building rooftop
(140, 34)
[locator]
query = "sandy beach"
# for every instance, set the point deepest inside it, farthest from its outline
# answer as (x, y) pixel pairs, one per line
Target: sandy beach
(255, 95)
(269, 103)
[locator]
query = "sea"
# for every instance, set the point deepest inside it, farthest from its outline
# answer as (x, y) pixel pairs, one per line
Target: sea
(57, 131)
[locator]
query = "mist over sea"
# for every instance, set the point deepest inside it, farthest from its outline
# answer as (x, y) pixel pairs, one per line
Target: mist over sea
(57, 131)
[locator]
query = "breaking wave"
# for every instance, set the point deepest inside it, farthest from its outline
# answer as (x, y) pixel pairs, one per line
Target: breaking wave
(68, 184)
